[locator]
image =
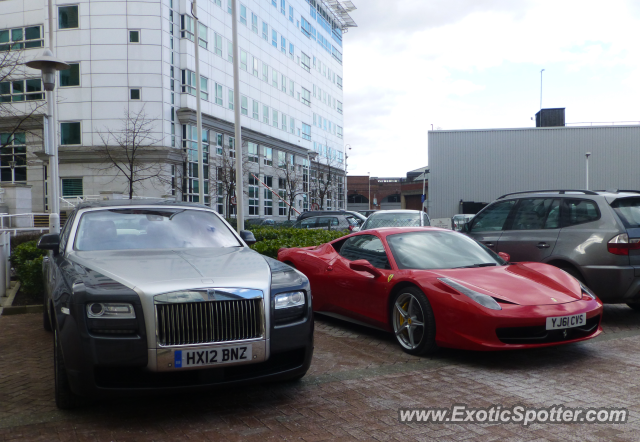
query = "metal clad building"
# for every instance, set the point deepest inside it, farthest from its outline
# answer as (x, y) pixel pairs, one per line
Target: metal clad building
(480, 165)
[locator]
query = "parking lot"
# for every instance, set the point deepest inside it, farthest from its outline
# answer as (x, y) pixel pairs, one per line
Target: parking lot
(358, 380)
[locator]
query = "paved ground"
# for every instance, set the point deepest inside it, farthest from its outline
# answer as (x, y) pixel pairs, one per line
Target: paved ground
(358, 380)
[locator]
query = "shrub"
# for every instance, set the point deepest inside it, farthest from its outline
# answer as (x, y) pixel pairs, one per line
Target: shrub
(21, 238)
(270, 240)
(27, 260)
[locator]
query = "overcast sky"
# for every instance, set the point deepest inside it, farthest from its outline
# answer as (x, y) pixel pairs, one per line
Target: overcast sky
(467, 64)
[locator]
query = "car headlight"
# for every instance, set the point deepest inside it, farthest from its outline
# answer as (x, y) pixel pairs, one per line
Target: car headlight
(587, 291)
(288, 300)
(110, 310)
(482, 299)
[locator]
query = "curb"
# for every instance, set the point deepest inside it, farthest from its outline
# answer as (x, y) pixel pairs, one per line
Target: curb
(6, 301)
(22, 309)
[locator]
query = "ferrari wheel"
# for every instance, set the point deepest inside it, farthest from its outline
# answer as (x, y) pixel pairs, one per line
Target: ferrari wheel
(413, 324)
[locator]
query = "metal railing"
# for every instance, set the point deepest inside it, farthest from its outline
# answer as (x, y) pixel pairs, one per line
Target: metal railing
(70, 202)
(19, 220)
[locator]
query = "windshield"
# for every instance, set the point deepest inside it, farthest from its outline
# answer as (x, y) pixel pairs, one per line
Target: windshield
(439, 250)
(120, 229)
(628, 209)
(398, 219)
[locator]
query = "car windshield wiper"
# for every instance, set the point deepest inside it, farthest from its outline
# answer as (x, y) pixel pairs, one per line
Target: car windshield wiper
(483, 264)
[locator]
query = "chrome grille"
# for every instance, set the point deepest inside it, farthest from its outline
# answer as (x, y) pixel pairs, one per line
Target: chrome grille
(214, 321)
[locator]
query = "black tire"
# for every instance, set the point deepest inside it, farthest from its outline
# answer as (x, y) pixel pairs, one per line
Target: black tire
(46, 321)
(411, 306)
(66, 399)
(634, 305)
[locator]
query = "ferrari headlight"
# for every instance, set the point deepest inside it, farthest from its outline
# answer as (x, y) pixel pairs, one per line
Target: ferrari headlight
(587, 291)
(482, 299)
(110, 310)
(288, 300)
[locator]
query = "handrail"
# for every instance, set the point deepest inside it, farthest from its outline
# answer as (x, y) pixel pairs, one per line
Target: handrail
(560, 191)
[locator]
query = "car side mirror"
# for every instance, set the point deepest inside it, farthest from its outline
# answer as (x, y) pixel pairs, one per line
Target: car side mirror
(50, 241)
(362, 265)
(504, 256)
(247, 236)
(466, 227)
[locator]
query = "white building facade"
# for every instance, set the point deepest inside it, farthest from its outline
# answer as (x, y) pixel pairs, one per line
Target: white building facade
(133, 56)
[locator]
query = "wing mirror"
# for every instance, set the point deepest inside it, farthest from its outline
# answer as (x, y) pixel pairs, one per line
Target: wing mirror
(504, 256)
(50, 241)
(362, 265)
(247, 236)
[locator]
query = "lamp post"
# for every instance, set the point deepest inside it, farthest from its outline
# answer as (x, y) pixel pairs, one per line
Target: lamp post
(369, 173)
(587, 155)
(49, 65)
(541, 94)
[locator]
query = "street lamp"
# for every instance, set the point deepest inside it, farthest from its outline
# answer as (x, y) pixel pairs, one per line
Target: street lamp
(369, 173)
(587, 155)
(49, 65)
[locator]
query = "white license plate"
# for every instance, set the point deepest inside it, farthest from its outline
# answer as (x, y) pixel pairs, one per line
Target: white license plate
(561, 322)
(211, 356)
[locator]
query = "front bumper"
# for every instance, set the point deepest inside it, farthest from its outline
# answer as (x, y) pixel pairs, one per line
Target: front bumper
(478, 328)
(101, 367)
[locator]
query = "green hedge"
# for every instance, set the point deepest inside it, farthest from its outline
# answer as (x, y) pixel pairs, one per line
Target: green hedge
(269, 240)
(27, 260)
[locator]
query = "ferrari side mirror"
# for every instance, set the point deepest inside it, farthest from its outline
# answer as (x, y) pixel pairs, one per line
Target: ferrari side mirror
(362, 265)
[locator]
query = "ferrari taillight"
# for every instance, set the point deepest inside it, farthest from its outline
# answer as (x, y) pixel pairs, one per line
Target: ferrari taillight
(621, 244)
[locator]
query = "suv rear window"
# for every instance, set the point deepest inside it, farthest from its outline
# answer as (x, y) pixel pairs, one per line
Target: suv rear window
(628, 209)
(578, 211)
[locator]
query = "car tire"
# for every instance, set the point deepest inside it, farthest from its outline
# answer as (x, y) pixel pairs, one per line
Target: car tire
(66, 399)
(46, 321)
(413, 323)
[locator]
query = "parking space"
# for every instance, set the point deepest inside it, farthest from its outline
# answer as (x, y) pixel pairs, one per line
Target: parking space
(358, 380)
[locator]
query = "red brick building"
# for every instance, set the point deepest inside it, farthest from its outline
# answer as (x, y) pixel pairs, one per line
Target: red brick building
(364, 192)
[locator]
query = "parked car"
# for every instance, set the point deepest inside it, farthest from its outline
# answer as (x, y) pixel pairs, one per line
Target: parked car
(366, 213)
(458, 221)
(165, 297)
(361, 218)
(434, 287)
(592, 235)
(329, 222)
(396, 218)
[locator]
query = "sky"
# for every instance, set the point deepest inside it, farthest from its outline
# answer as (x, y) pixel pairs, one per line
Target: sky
(411, 65)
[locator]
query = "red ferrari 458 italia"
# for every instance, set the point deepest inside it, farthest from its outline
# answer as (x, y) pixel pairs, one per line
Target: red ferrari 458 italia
(433, 287)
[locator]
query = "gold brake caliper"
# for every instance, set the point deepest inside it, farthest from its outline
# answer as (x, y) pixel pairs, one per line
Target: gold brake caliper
(405, 307)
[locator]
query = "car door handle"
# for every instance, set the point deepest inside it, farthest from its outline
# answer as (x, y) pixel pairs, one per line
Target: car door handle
(489, 244)
(543, 245)
(329, 269)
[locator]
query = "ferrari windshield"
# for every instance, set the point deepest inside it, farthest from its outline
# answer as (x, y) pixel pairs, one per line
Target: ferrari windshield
(439, 250)
(165, 228)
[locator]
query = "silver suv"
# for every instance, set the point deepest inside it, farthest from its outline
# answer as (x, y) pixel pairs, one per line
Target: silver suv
(592, 235)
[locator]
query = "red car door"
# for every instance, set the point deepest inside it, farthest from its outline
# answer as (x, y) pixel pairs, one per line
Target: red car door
(358, 294)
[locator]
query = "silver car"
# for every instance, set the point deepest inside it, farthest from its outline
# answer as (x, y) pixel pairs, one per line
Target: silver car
(396, 218)
(167, 297)
(592, 235)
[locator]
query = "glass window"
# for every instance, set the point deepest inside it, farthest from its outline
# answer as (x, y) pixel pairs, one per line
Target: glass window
(70, 77)
(21, 38)
(219, 94)
(256, 110)
(439, 250)
(306, 62)
(165, 228)
(68, 17)
(243, 14)
(134, 36)
(243, 60)
(134, 94)
(244, 105)
(231, 99)
(531, 214)
(218, 44)
(72, 187)
(265, 113)
(254, 23)
(274, 38)
(21, 90)
(366, 247)
(265, 31)
(493, 217)
(628, 209)
(274, 119)
(70, 134)
(13, 157)
(265, 72)
(229, 51)
(578, 211)
(306, 97)
(306, 131)
(202, 35)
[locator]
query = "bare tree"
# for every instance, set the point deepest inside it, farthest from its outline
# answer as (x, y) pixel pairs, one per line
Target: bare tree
(293, 180)
(19, 112)
(135, 152)
(222, 175)
(324, 180)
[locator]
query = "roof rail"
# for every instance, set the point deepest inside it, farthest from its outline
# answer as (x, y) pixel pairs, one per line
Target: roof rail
(560, 191)
(619, 191)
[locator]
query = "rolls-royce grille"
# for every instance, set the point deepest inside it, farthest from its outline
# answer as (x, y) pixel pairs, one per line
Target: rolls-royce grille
(203, 322)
